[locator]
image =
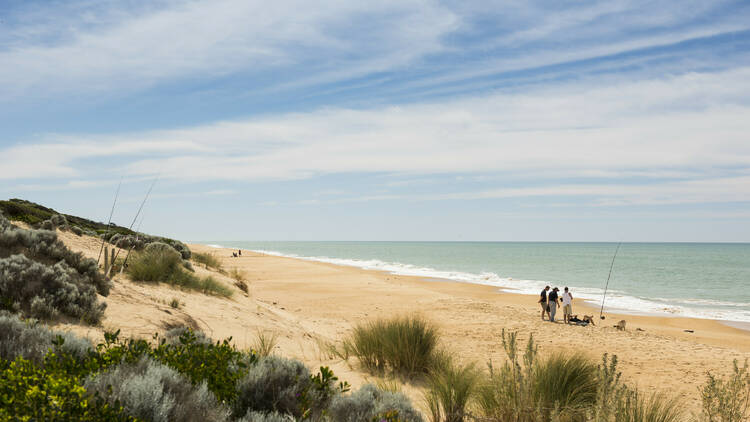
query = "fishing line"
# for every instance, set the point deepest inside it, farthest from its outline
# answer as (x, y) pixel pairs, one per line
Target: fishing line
(608, 276)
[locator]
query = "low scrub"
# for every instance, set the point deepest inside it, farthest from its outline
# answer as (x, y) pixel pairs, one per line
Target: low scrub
(207, 260)
(370, 403)
(161, 263)
(41, 278)
(405, 345)
(240, 279)
(149, 390)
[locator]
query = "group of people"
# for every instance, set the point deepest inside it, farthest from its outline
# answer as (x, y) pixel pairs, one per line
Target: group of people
(550, 301)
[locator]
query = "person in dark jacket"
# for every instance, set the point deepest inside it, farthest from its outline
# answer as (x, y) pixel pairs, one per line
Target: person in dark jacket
(552, 301)
(543, 302)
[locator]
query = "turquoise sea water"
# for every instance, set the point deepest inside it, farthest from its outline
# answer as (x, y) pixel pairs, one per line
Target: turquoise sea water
(683, 279)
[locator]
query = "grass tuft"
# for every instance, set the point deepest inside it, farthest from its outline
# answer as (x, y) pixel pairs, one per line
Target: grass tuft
(450, 389)
(265, 343)
(207, 259)
(404, 345)
(165, 265)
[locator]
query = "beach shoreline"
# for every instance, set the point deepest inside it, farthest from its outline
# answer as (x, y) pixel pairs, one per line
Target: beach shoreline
(656, 353)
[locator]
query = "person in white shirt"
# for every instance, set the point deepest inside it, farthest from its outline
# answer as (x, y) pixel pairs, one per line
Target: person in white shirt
(567, 300)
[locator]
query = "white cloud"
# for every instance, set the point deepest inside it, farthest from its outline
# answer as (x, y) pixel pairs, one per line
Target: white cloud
(688, 127)
(220, 37)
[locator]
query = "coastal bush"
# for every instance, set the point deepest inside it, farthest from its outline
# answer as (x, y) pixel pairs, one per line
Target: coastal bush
(29, 392)
(370, 403)
(59, 220)
(450, 388)
(31, 341)
(274, 384)
(568, 381)
(44, 247)
(208, 260)
(77, 230)
(149, 390)
(283, 386)
(44, 292)
(405, 345)
(727, 399)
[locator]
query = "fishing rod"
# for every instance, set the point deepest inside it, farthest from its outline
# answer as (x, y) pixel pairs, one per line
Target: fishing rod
(136, 216)
(111, 212)
(601, 311)
(132, 246)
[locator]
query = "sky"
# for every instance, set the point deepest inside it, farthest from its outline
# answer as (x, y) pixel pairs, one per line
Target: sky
(619, 120)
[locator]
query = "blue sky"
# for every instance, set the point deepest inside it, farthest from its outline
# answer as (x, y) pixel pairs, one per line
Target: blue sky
(391, 120)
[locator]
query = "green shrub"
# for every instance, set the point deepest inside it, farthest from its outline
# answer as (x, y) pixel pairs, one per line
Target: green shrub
(567, 381)
(727, 399)
(28, 392)
(174, 303)
(208, 260)
(266, 417)
(219, 365)
(405, 345)
(149, 390)
(450, 388)
(368, 403)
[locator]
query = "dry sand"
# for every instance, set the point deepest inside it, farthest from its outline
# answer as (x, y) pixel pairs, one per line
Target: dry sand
(309, 304)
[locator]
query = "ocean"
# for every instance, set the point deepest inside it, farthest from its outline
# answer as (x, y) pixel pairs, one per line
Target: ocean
(704, 280)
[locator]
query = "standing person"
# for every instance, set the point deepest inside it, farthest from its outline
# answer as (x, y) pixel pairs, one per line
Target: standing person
(552, 301)
(239, 252)
(543, 302)
(567, 301)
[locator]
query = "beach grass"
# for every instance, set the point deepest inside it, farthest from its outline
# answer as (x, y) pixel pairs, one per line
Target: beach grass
(165, 265)
(240, 279)
(265, 342)
(450, 389)
(208, 260)
(405, 345)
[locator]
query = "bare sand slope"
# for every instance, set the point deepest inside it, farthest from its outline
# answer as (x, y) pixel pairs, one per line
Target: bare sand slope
(308, 304)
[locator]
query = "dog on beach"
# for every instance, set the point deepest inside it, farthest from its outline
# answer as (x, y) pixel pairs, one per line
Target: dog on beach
(620, 325)
(589, 319)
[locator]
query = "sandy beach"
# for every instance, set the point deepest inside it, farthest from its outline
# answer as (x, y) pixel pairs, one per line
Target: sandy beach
(311, 304)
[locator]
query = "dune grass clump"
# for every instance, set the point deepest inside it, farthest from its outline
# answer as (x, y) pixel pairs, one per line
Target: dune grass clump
(370, 403)
(209, 261)
(405, 345)
(149, 390)
(450, 389)
(161, 263)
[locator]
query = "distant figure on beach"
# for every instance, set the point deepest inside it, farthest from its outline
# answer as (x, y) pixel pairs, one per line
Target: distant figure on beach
(567, 301)
(234, 254)
(543, 302)
(552, 301)
(239, 252)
